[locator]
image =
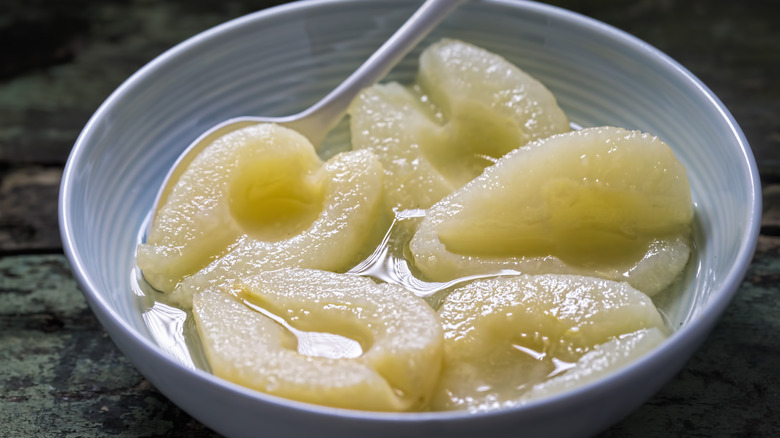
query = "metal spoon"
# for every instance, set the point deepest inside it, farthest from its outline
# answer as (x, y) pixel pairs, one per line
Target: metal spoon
(315, 122)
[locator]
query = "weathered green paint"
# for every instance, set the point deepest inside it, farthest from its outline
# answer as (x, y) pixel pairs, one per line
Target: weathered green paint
(61, 374)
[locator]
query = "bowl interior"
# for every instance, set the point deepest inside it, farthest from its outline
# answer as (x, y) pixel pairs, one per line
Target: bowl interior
(282, 60)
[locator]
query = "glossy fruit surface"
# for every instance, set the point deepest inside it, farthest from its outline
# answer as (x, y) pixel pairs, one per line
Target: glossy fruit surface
(467, 108)
(601, 201)
(399, 334)
(505, 335)
(261, 196)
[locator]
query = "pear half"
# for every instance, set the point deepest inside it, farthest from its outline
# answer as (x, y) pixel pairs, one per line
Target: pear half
(601, 201)
(601, 361)
(400, 337)
(261, 196)
(503, 336)
(467, 108)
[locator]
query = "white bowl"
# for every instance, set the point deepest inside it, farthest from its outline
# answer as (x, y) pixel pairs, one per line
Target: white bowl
(280, 60)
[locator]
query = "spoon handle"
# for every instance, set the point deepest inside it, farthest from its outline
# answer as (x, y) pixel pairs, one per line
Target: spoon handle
(316, 121)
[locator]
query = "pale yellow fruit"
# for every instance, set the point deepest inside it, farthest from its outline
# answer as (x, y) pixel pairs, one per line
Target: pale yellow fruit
(400, 337)
(261, 196)
(467, 108)
(601, 201)
(504, 335)
(601, 361)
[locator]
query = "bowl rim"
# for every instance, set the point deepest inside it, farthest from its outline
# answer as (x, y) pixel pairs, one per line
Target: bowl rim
(686, 339)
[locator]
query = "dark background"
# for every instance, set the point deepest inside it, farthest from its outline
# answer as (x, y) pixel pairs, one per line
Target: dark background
(60, 59)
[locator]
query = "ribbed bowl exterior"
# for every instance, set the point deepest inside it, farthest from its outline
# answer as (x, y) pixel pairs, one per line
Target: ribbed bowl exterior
(280, 61)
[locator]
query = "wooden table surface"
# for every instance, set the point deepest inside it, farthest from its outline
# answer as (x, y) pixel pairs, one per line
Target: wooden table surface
(62, 376)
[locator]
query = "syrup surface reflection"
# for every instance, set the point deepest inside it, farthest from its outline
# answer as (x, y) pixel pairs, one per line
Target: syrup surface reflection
(317, 344)
(387, 263)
